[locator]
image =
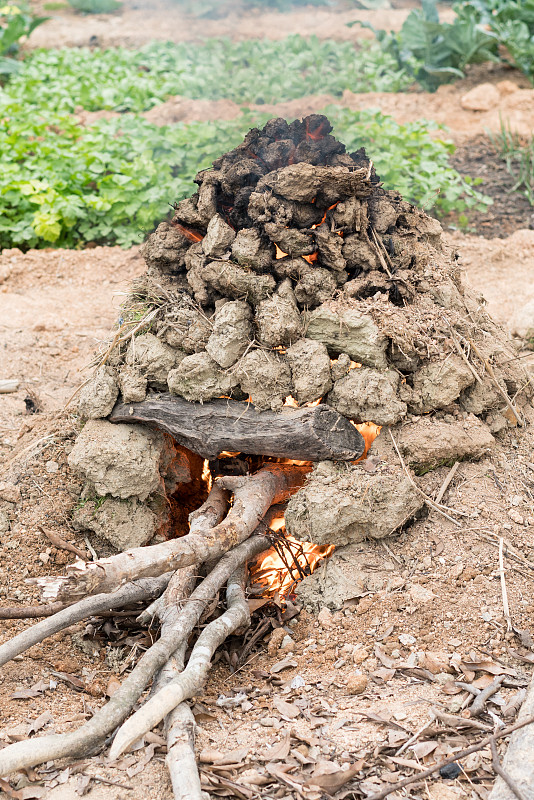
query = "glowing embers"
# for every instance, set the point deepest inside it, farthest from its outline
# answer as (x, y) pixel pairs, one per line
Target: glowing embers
(189, 233)
(279, 569)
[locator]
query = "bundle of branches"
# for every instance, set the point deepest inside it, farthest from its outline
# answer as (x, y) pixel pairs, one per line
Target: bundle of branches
(222, 538)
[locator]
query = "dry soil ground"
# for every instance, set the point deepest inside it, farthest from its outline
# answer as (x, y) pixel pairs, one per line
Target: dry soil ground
(439, 599)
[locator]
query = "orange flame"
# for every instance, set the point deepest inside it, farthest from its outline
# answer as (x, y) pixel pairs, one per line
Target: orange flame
(369, 431)
(271, 575)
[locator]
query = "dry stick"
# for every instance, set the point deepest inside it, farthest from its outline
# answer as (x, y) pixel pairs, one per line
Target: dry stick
(518, 762)
(477, 706)
(57, 541)
(180, 726)
(436, 506)
(131, 593)
(32, 612)
(497, 768)
(90, 736)
(504, 591)
(253, 497)
(209, 514)
(192, 679)
(504, 395)
(456, 757)
(445, 485)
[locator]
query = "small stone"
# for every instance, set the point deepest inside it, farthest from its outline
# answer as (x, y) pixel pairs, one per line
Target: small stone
(325, 618)
(515, 516)
(287, 643)
(357, 683)
(418, 594)
(483, 97)
(277, 637)
(51, 467)
(359, 655)
(406, 639)
(9, 492)
(268, 722)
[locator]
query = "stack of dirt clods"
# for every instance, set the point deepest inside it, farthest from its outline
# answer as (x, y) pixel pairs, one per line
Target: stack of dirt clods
(290, 310)
(292, 278)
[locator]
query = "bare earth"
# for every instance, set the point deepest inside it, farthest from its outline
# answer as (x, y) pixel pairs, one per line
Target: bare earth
(57, 306)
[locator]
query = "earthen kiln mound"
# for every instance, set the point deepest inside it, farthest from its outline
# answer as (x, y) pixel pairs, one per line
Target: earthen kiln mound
(292, 278)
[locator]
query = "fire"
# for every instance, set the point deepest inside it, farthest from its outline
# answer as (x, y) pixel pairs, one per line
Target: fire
(206, 476)
(271, 574)
(369, 431)
(189, 233)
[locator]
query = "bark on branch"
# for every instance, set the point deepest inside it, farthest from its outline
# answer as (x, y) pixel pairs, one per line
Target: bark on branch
(253, 496)
(131, 593)
(303, 434)
(192, 679)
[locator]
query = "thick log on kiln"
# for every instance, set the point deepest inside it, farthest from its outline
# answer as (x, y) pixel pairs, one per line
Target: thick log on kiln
(303, 434)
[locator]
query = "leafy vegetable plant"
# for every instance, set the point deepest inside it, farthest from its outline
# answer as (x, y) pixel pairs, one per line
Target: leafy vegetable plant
(95, 6)
(260, 71)
(518, 155)
(434, 52)
(16, 24)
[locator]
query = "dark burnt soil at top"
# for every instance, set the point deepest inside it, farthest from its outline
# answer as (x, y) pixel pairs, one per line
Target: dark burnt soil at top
(511, 210)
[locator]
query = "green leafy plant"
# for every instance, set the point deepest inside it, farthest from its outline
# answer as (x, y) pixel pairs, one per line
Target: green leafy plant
(64, 184)
(518, 155)
(434, 52)
(17, 22)
(409, 160)
(135, 80)
(95, 6)
(512, 22)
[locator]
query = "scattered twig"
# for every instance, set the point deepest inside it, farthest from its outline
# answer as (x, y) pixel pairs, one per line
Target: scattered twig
(60, 543)
(477, 706)
(428, 500)
(131, 593)
(445, 485)
(456, 757)
(32, 612)
(504, 591)
(497, 768)
(460, 722)
(502, 392)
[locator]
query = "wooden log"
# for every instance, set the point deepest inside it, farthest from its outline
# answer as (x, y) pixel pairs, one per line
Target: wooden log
(518, 764)
(301, 434)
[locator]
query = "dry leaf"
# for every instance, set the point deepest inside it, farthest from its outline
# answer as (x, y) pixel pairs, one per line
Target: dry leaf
(27, 793)
(233, 757)
(383, 674)
(280, 665)
(42, 720)
(382, 656)
(526, 658)
(279, 751)
(423, 749)
(333, 781)
(487, 666)
(141, 762)
(71, 680)
(287, 710)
